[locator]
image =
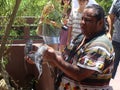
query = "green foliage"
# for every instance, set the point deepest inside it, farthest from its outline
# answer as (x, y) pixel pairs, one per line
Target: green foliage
(55, 15)
(6, 7)
(34, 7)
(31, 7)
(13, 34)
(4, 61)
(106, 4)
(27, 7)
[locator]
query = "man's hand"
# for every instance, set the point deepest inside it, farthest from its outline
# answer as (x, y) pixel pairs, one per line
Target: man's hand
(49, 55)
(109, 35)
(29, 60)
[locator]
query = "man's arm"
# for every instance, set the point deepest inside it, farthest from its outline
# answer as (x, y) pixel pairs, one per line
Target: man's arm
(110, 19)
(70, 70)
(69, 35)
(39, 27)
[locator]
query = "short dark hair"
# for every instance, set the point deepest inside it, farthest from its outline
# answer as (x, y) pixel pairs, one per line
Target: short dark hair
(62, 3)
(99, 11)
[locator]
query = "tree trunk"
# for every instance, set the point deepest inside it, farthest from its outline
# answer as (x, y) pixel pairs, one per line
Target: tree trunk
(3, 44)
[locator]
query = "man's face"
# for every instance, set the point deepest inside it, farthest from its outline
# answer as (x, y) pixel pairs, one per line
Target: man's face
(88, 23)
(82, 3)
(66, 2)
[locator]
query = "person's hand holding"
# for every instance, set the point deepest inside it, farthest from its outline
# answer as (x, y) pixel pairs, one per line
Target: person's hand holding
(64, 21)
(28, 59)
(109, 35)
(49, 56)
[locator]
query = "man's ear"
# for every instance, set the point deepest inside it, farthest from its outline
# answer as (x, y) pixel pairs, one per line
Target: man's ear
(100, 23)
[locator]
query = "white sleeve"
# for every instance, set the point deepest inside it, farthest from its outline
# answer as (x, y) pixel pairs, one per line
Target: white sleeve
(114, 1)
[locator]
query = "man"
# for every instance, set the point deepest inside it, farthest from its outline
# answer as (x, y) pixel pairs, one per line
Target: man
(75, 16)
(76, 5)
(88, 66)
(74, 20)
(89, 62)
(114, 18)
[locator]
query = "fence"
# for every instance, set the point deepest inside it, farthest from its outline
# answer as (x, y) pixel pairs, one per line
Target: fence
(22, 72)
(24, 28)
